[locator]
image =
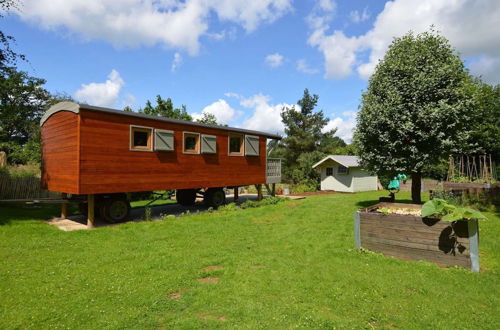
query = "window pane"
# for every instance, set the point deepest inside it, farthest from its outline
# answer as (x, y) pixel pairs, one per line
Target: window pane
(140, 139)
(235, 144)
(190, 143)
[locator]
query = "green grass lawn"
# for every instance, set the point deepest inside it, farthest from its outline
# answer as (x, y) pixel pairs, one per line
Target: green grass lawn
(281, 266)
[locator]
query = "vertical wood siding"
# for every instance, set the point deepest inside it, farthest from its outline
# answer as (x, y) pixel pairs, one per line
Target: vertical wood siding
(60, 153)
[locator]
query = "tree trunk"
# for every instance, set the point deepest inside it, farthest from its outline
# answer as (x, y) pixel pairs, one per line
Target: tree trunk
(416, 186)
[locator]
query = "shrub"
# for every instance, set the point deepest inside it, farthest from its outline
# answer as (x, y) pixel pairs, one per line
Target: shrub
(302, 187)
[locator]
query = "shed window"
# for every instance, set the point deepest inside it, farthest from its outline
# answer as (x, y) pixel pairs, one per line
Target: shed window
(235, 145)
(140, 138)
(208, 144)
(164, 140)
(191, 143)
(342, 170)
(329, 171)
(251, 145)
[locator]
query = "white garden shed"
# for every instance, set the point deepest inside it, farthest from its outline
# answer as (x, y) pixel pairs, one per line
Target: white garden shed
(344, 173)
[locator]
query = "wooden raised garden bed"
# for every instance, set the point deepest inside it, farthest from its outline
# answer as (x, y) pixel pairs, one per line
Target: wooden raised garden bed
(398, 230)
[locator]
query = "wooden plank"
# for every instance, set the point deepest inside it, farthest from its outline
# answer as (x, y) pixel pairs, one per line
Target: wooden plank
(404, 231)
(411, 237)
(90, 210)
(413, 245)
(417, 255)
(416, 223)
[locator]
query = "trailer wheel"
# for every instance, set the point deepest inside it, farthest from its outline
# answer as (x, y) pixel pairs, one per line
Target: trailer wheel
(186, 197)
(214, 197)
(115, 210)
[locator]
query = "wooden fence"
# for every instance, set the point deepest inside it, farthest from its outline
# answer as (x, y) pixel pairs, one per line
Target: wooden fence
(23, 188)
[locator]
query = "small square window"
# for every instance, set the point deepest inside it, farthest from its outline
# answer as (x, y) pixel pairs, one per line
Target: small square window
(191, 143)
(329, 171)
(235, 145)
(141, 138)
(342, 170)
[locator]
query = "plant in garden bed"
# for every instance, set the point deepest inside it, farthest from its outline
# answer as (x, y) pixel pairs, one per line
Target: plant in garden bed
(448, 212)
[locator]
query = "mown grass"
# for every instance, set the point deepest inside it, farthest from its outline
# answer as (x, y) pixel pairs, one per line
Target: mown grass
(285, 265)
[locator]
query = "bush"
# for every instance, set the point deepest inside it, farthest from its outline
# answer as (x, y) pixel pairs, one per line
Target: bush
(302, 188)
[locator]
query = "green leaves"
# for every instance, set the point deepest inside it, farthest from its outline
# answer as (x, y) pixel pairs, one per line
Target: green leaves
(448, 212)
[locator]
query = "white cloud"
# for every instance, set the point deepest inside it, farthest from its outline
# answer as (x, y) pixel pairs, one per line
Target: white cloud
(468, 24)
(131, 23)
(274, 60)
(176, 62)
(266, 117)
(302, 66)
(358, 17)
(327, 5)
(101, 94)
(345, 125)
(221, 110)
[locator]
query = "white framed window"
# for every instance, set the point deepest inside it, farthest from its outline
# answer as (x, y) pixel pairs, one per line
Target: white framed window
(141, 138)
(190, 143)
(343, 170)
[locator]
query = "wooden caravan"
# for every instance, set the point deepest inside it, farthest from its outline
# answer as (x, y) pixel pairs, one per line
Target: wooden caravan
(98, 151)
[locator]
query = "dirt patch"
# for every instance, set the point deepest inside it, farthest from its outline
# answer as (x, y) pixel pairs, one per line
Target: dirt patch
(212, 317)
(208, 280)
(209, 269)
(175, 295)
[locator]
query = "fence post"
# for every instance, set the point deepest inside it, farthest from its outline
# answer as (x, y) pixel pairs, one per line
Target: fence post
(3, 159)
(90, 205)
(357, 230)
(474, 244)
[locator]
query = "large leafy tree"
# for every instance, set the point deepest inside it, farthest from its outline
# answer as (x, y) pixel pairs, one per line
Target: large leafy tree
(23, 101)
(305, 142)
(165, 108)
(416, 108)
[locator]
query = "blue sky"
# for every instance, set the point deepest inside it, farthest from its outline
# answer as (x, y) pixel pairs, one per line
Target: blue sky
(241, 60)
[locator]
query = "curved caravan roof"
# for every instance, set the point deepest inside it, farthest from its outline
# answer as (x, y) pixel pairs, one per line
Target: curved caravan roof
(75, 107)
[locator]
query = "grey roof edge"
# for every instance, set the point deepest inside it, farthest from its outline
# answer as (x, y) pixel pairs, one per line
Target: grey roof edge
(75, 107)
(332, 157)
(61, 106)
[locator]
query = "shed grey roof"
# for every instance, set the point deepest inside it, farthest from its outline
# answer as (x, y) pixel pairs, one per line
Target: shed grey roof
(344, 160)
(75, 107)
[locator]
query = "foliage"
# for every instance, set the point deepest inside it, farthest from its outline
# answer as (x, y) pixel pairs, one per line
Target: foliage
(416, 109)
(147, 213)
(165, 108)
(56, 279)
(485, 135)
(305, 142)
(448, 212)
(8, 57)
(303, 187)
(209, 118)
(22, 103)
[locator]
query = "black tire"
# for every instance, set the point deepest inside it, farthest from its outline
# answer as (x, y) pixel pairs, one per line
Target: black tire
(214, 197)
(115, 210)
(186, 197)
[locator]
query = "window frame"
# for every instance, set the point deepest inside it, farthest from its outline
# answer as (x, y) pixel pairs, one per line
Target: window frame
(343, 167)
(159, 130)
(198, 143)
(148, 129)
(201, 144)
(242, 145)
(331, 171)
